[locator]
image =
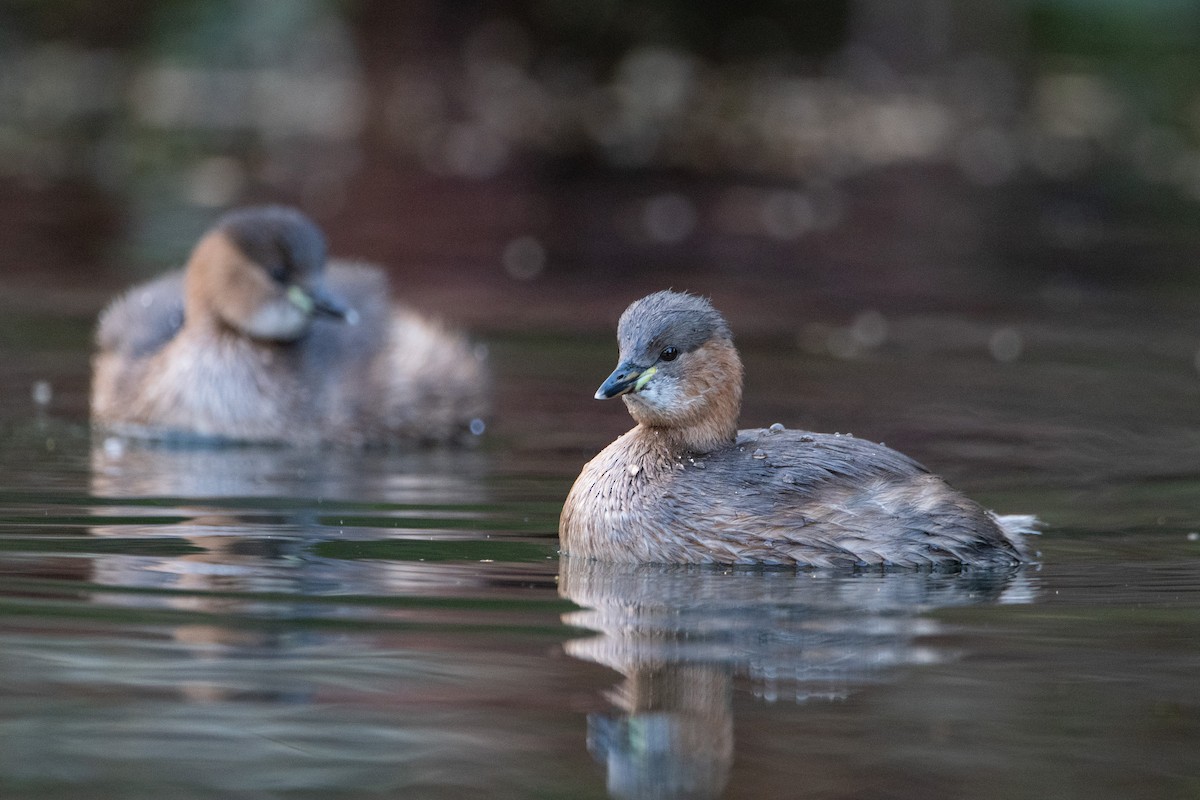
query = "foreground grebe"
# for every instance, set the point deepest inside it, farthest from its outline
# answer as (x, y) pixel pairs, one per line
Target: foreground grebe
(256, 341)
(686, 487)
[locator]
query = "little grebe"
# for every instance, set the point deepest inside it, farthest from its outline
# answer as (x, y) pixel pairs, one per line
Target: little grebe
(686, 487)
(256, 341)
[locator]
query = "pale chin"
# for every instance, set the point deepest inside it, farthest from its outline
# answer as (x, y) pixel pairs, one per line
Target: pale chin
(650, 402)
(278, 321)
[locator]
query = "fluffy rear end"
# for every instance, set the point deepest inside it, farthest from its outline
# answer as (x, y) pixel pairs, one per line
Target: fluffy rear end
(1018, 527)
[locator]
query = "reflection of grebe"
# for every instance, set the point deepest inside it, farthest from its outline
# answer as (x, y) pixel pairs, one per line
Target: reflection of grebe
(240, 546)
(685, 637)
(256, 341)
(254, 515)
(686, 487)
(674, 735)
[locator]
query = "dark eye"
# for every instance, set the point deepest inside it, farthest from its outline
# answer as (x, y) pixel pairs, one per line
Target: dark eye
(282, 265)
(669, 354)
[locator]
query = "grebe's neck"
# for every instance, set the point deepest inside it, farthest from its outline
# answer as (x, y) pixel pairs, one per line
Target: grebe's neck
(202, 278)
(693, 440)
(701, 416)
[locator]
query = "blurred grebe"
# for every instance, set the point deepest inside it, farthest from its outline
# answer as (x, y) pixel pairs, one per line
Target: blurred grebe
(255, 340)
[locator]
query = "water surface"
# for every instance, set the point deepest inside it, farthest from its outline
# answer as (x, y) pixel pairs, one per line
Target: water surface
(266, 623)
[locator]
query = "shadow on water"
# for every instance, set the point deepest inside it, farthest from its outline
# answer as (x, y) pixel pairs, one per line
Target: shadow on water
(685, 639)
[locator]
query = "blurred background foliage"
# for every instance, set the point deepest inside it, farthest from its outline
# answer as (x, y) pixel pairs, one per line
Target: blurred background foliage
(517, 140)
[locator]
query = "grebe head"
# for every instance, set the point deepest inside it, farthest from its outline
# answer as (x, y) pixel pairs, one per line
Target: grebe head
(261, 271)
(678, 368)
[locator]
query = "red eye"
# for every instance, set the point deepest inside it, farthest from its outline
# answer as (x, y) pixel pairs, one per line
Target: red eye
(669, 354)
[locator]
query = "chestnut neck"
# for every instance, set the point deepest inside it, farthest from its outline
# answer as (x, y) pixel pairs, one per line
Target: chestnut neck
(201, 275)
(710, 424)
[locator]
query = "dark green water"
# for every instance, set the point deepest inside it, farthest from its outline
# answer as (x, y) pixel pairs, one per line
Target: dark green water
(262, 623)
